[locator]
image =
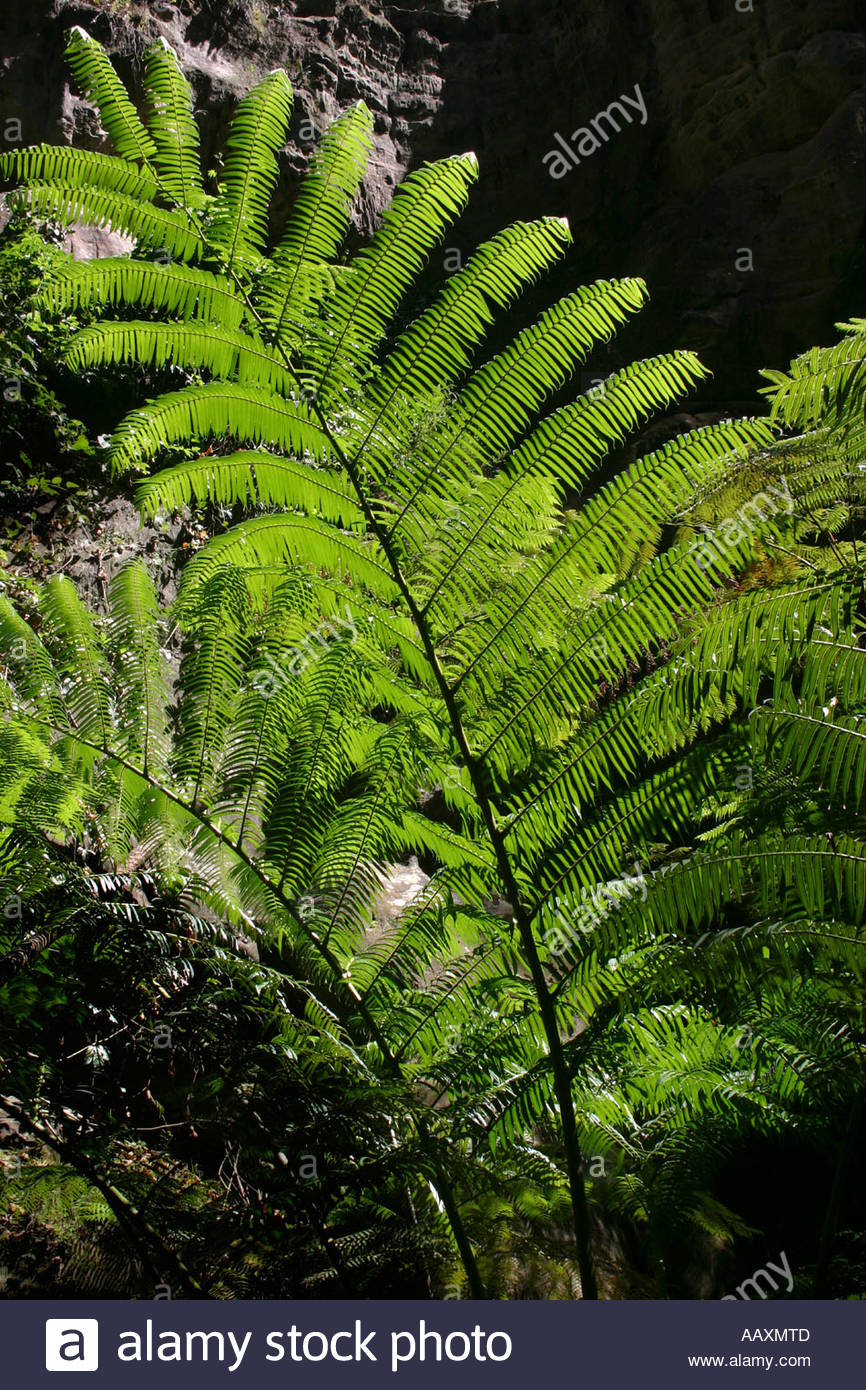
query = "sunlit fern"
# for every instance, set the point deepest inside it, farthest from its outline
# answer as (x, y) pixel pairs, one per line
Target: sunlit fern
(555, 669)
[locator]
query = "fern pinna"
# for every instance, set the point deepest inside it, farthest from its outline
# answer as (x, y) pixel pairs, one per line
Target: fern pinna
(554, 652)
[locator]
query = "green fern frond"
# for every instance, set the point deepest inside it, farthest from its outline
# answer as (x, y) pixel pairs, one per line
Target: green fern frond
(249, 414)
(28, 674)
(97, 78)
(437, 348)
(69, 167)
(184, 291)
(149, 225)
(319, 218)
(172, 126)
(821, 744)
(258, 132)
(224, 353)
(79, 660)
(362, 308)
(272, 542)
(835, 670)
(612, 532)
(823, 384)
(500, 399)
(253, 478)
(142, 690)
(211, 673)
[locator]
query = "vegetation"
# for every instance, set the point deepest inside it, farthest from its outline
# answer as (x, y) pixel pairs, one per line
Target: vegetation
(37, 430)
(613, 712)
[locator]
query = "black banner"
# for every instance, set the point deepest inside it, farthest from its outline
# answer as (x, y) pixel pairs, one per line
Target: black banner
(504, 1345)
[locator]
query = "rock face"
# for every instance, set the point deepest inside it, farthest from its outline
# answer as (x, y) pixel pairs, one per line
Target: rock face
(734, 183)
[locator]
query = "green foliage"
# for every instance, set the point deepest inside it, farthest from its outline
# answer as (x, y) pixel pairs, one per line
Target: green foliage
(37, 429)
(426, 596)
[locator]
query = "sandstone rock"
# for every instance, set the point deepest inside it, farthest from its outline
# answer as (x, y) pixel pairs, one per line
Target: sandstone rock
(755, 138)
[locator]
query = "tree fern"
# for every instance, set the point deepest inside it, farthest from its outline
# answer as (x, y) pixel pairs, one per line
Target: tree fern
(562, 658)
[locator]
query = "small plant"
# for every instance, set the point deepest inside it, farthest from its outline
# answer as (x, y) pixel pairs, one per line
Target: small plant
(37, 431)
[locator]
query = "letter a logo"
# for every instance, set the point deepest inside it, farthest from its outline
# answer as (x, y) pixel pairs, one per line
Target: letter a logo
(71, 1344)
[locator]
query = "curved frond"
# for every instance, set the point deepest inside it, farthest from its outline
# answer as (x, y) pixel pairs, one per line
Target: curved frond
(438, 347)
(223, 352)
(221, 408)
(149, 225)
(258, 132)
(272, 542)
(97, 78)
(172, 126)
(79, 659)
(69, 167)
(252, 478)
(829, 747)
(211, 673)
(500, 399)
(181, 290)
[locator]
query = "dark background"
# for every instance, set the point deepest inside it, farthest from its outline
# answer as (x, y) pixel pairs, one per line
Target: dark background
(755, 138)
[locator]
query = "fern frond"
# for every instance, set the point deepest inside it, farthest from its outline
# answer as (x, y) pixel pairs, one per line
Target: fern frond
(69, 167)
(814, 744)
(612, 532)
(319, 218)
(824, 385)
(835, 670)
(500, 399)
(225, 353)
(271, 542)
(79, 659)
(184, 291)
(28, 673)
(437, 348)
(253, 478)
(142, 689)
(172, 126)
(98, 80)
(258, 132)
(149, 225)
(211, 674)
(802, 874)
(626, 517)
(220, 408)
(362, 308)
(649, 608)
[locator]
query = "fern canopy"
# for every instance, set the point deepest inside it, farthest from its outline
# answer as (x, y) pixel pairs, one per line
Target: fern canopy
(617, 715)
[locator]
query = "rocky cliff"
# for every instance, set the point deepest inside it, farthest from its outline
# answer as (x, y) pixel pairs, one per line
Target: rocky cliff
(716, 147)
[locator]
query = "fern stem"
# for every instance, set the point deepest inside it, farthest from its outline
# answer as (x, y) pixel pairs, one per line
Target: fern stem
(556, 1054)
(464, 1245)
(547, 1011)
